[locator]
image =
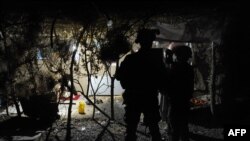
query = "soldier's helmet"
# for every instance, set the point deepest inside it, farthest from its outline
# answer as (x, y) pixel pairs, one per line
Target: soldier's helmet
(182, 52)
(146, 35)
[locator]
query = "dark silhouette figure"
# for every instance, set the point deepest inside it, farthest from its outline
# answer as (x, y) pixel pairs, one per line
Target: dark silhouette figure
(140, 75)
(66, 84)
(180, 90)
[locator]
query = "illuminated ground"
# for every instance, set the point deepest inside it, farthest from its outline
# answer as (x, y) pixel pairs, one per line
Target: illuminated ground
(85, 128)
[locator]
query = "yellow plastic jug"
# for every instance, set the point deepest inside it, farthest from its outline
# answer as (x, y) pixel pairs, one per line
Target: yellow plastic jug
(81, 107)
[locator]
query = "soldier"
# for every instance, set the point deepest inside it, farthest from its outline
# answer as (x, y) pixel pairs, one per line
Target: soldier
(141, 74)
(180, 90)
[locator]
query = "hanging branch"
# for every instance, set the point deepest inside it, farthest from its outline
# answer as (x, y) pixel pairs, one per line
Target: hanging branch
(49, 64)
(87, 70)
(52, 31)
(111, 52)
(10, 73)
(112, 97)
(68, 134)
(95, 92)
(112, 79)
(89, 62)
(89, 74)
(105, 128)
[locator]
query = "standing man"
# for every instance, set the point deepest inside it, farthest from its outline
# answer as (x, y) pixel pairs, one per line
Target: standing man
(180, 90)
(141, 75)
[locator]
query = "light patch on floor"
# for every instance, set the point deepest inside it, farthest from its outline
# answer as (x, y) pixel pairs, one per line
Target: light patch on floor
(103, 102)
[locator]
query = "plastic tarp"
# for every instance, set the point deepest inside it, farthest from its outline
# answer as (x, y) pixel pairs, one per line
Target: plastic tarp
(170, 32)
(200, 30)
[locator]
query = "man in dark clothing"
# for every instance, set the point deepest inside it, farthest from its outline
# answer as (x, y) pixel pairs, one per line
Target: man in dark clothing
(140, 75)
(180, 90)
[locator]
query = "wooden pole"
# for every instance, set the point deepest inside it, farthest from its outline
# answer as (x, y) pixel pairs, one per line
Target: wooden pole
(212, 80)
(68, 134)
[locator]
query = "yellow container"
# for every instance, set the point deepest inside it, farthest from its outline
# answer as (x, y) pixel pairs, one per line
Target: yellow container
(81, 107)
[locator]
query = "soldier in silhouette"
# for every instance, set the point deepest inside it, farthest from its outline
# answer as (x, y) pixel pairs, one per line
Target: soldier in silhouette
(141, 75)
(180, 90)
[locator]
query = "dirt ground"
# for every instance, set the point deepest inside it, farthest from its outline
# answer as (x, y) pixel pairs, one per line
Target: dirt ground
(85, 127)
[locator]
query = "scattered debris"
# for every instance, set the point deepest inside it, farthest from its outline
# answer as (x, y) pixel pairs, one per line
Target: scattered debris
(85, 128)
